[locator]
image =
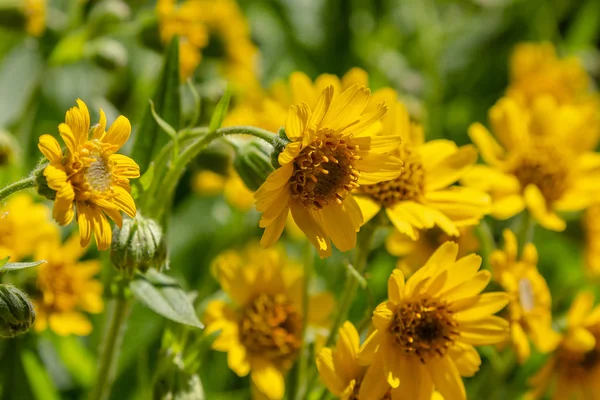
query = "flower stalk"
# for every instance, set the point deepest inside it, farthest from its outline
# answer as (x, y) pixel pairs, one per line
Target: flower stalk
(25, 183)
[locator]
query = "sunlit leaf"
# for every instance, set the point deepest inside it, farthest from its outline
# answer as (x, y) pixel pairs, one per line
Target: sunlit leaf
(11, 266)
(220, 111)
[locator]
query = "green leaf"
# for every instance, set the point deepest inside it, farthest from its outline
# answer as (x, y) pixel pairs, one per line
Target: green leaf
(8, 266)
(139, 186)
(220, 111)
(163, 295)
(167, 102)
(77, 358)
(39, 380)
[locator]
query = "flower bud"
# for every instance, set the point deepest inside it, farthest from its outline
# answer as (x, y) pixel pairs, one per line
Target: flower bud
(107, 12)
(106, 53)
(138, 245)
(41, 183)
(17, 314)
(280, 142)
(253, 163)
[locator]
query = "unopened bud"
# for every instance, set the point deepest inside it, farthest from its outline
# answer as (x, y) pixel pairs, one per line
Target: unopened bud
(41, 183)
(109, 12)
(278, 147)
(107, 53)
(138, 245)
(17, 314)
(253, 163)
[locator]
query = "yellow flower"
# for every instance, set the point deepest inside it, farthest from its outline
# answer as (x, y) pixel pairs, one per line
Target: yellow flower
(530, 302)
(591, 224)
(332, 151)
(67, 287)
(423, 196)
(425, 332)
(35, 12)
(209, 183)
(89, 175)
(536, 70)
(262, 330)
(532, 169)
(575, 365)
(23, 224)
(210, 26)
(414, 253)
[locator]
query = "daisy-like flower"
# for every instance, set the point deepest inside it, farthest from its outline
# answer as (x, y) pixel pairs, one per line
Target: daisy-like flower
(425, 332)
(332, 151)
(531, 167)
(261, 328)
(89, 176)
(591, 224)
(423, 196)
(23, 224)
(575, 365)
(66, 288)
(414, 253)
(530, 304)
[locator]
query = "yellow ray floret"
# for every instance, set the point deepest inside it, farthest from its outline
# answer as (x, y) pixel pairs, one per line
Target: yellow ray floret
(89, 177)
(426, 331)
(332, 151)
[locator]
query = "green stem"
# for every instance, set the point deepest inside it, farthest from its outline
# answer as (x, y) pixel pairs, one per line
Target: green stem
(111, 346)
(526, 230)
(486, 240)
(263, 134)
(25, 183)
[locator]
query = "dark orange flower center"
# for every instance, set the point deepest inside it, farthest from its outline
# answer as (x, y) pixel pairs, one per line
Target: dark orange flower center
(576, 365)
(271, 328)
(410, 185)
(324, 171)
(425, 328)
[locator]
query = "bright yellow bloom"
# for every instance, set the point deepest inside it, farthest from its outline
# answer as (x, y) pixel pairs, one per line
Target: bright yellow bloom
(89, 175)
(66, 288)
(262, 330)
(591, 226)
(210, 26)
(531, 168)
(414, 253)
(530, 302)
(426, 331)
(332, 151)
(209, 183)
(35, 12)
(23, 224)
(575, 365)
(536, 70)
(423, 196)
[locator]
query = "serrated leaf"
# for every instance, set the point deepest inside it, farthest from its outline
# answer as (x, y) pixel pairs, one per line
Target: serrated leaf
(167, 102)
(220, 111)
(163, 295)
(8, 266)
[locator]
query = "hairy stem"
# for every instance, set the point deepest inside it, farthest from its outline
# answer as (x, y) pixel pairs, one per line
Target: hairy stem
(24, 183)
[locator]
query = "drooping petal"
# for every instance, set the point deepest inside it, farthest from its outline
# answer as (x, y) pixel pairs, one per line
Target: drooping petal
(50, 148)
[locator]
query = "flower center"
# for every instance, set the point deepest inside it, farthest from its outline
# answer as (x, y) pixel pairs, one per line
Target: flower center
(98, 174)
(410, 185)
(324, 171)
(545, 167)
(579, 365)
(271, 327)
(526, 295)
(425, 328)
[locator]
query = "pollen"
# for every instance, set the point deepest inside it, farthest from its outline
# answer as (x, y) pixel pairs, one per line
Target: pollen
(271, 328)
(410, 185)
(324, 171)
(425, 328)
(98, 174)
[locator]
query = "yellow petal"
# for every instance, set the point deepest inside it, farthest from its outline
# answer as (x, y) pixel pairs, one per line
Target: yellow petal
(451, 169)
(484, 305)
(396, 287)
(368, 207)
(374, 384)
(536, 204)
(118, 133)
(50, 148)
(313, 231)
(274, 230)
(465, 357)
(328, 372)
(446, 378)
(237, 359)
(491, 152)
(484, 331)
(581, 306)
(268, 379)
(415, 382)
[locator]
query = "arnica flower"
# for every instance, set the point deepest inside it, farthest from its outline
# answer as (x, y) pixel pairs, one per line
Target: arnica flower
(591, 225)
(35, 13)
(425, 332)
(530, 302)
(211, 28)
(66, 288)
(341, 370)
(574, 367)
(209, 183)
(261, 329)
(529, 168)
(89, 175)
(332, 151)
(414, 253)
(23, 224)
(423, 196)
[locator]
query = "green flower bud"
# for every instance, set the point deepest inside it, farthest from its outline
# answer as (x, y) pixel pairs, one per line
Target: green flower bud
(106, 53)
(279, 145)
(138, 245)
(41, 183)
(109, 12)
(17, 314)
(253, 163)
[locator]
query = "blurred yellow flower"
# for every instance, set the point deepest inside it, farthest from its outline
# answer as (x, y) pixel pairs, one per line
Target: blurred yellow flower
(591, 223)
(262, 330)
(35, 13)
(67, 288)
(575, 365)
(423, 196)
(206, 26)
(532, 169)
(209, 183)
(332, 151)
(530, 304)
(89, 174)
(426, 331)
(414, 253)
(23, 224)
